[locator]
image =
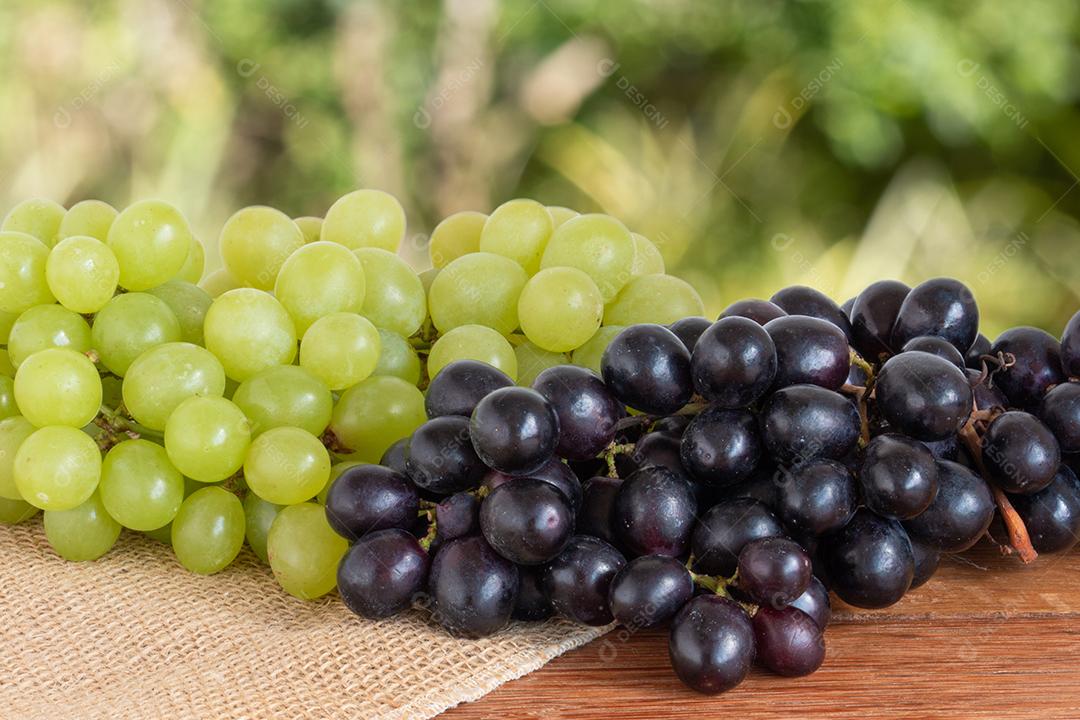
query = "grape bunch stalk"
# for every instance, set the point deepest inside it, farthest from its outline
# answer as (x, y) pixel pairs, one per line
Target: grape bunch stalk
(543, 423)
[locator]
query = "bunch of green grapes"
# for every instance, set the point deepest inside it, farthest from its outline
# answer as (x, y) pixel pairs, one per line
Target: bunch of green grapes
(209, 410)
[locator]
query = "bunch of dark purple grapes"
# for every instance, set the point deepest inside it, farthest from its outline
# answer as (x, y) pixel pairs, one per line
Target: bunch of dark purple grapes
(720, 478)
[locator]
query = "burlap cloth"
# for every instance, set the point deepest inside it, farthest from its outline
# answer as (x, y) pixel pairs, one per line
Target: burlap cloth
(133, 635)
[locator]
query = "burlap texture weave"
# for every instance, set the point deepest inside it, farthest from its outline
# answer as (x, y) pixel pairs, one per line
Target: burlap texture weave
(133, 635)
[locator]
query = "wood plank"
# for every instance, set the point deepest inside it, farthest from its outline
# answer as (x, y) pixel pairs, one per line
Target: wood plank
(986, 638)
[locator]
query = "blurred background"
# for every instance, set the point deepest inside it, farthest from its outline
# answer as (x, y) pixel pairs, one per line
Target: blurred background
(759, 144)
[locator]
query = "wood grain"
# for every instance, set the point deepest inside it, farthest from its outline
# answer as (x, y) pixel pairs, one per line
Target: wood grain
(987, 637)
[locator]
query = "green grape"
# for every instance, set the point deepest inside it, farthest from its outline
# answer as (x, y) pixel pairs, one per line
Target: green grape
(13, 431)
(195, 265)
(340, 349)
(90, 218)
(311, 227)
(22, 273)
(47, 326)
(151, 241)
(163, 377)
(58, 387)
(472, 342)
(457, 235)
(112, 390)
(129, 325)
(335, 472)
(139, 486)
(219, 282)
(7, 320)
(660, 299)
(37, 217)
(189, 304)
(249, 331)
(559, 214)
(57, 468)
(647, 258)
(258, 517)
(477, 289)
(162, 534)
(208, 530)
(255, 242)
(286, 466)
(82, 533)
(13, 512)
(304, 551)
(206, 438)
(6, 368)
(397, 358)
(519, 230)
(560, 309)
(374, 414)
(8, 407)
(532, 360)
(283, 396)
(599, 245)
(395, 298)
(365, 218)
(589, 354)
(319, 279)
(82, 272)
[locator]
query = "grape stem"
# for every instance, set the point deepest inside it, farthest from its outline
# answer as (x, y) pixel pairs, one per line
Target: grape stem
(611, 452)
(1014, 524)
(861, 394)
(332, 443)
(857, 360)
(429, 537)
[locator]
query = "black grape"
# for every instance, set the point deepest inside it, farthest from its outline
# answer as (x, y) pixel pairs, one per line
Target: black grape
(773, 571)
(440, 456)
(553, 471)
(734, 362)
(474, 589)
(898, 476)
(672, 424)
(788, 641)
(973, 356)
(532, 602)
(648, 368)
(587, 411)
(873, 316)
(382, 572)
(654, 513)
(394, 457)
(649, 591)
(1060, 410)
(802, 300)
(947, 449)
(366, 498)
(923, 396)
(514, 430)
(1070, 347)
(960, 512)
(725, 529)
(926, 563)
(578, 581)
(594, 515)
(461, 385)
(985, 394)
(654, 449)
(846, 306)
(815, 603)
(809, 350)
(711, 644)
(721, 447)
(689, 329)
(1037, 365)
(760, 311)
(804, 422)
(942, 307)
(1020, 453)
(762, 486)
(816, 497)
(527, 521)
(1052, 515)
(936, 346)
(457, 515)
(869, 562)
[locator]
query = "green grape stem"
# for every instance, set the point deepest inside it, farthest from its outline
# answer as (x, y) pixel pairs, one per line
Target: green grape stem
(433, 527)
(611, 452)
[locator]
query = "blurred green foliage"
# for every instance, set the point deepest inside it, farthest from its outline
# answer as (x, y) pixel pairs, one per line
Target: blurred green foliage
(759, 144)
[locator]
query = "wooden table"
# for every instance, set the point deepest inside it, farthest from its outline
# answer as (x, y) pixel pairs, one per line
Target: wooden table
(987, 637)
